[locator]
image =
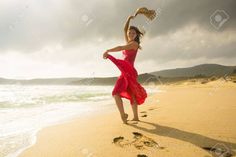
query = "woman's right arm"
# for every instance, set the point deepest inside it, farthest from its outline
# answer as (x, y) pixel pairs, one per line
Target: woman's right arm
(127, 27)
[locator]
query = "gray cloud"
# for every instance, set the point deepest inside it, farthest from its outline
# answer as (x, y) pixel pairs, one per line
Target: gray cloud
(179, 13)
(68, 37)
(31, 25)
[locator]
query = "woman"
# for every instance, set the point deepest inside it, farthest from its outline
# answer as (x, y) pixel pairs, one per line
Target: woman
(126, 85)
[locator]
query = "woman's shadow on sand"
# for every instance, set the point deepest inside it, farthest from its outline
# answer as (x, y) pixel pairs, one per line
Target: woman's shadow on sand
(223, 148)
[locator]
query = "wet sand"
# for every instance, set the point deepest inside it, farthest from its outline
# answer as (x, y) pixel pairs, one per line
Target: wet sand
(191, 120)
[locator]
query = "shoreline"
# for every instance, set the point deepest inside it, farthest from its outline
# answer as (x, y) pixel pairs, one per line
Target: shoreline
(83, 135)
(24, 139)
(61, 122)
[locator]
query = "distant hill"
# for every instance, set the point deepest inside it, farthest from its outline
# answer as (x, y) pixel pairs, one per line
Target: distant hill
(75, 81)
(163, 76)
(199, 70)
(111, 80)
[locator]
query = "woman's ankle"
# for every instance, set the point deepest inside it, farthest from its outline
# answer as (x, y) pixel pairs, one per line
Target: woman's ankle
(123, 114)
(136, 118)
(124, 118)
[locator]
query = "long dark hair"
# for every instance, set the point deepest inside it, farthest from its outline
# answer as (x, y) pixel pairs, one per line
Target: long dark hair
(139, 35)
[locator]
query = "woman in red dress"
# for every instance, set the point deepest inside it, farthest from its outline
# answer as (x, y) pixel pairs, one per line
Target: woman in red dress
(127, 85)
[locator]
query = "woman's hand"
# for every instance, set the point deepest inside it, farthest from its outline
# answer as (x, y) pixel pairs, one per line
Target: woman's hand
(105, 55)
(131, 17)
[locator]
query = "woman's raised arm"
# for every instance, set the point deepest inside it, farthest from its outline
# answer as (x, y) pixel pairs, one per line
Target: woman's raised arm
(127, 27)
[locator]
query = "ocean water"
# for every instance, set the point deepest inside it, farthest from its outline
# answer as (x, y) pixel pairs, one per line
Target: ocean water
(25, 109)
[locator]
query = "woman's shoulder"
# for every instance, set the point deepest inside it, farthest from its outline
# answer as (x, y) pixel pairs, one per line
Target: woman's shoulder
(133, 42)
(136, 44)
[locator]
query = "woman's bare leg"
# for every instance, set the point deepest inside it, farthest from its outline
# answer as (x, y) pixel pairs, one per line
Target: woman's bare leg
(119, 104)
(135, 109)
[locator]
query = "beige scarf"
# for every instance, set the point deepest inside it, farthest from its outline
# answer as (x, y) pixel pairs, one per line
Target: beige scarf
(150, 14)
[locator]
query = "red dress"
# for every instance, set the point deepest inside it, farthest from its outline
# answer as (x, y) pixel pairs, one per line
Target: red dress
(127, 84)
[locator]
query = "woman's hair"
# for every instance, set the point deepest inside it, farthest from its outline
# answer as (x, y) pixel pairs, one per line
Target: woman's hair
(139, 35)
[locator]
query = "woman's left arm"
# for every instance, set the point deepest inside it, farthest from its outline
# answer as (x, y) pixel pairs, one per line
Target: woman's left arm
(131, 45)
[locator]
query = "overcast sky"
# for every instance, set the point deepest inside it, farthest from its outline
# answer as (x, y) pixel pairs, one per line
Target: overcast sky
(66, 38)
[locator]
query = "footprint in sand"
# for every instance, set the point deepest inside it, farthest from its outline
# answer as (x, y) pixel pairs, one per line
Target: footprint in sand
(150, 109)
(140, 141)
(144, 115)
(120, 141)
(142, 155)
(144, 112)
(218, 152)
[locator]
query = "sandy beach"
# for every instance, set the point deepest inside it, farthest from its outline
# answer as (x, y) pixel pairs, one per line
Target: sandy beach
(190, 119)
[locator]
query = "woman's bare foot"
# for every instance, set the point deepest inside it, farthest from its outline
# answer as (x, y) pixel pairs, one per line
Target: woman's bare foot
(135, 119)
(124, 119)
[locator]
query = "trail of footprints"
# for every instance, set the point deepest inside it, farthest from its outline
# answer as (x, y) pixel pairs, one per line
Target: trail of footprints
(222, 152)
(144, 113)
(139, 141)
